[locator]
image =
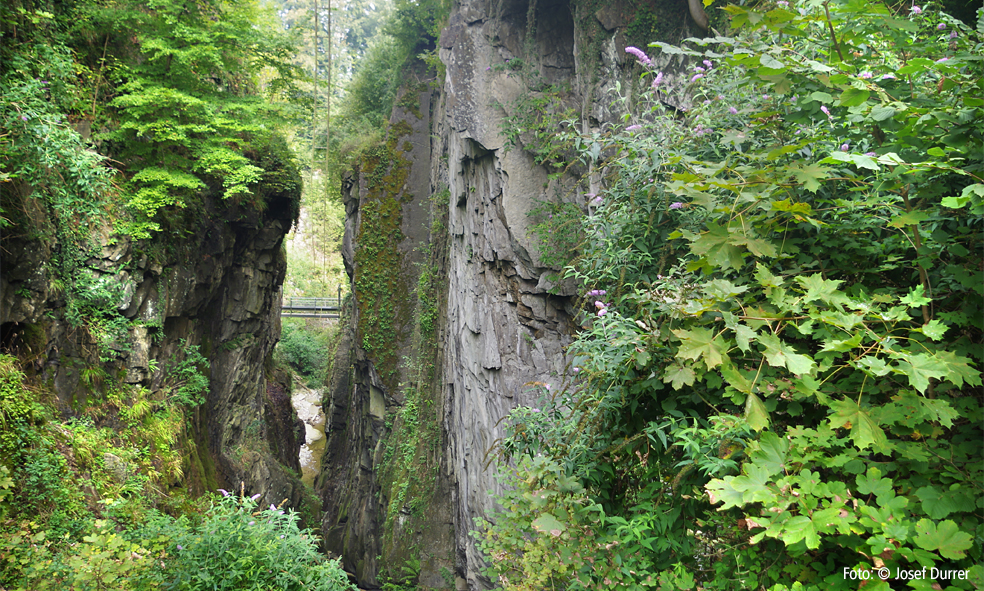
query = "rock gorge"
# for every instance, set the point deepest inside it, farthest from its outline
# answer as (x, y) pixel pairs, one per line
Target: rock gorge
(456, 318)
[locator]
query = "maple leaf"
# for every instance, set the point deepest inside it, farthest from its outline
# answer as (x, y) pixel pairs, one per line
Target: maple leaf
(946, 538)
(701, 343)
(958, 369)
(810, 175)
(716, 246)
(755, 413)
(920, 368)
(864, 430)
(818, 288)
(779, 354)
(678, 375)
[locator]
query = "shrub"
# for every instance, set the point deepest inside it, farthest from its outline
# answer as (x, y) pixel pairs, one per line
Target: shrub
(240, 547)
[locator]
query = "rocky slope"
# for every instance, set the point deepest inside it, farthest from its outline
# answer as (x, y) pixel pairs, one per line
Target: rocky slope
(503, 316)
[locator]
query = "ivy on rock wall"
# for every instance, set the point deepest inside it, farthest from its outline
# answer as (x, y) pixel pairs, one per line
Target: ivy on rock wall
(777, 384)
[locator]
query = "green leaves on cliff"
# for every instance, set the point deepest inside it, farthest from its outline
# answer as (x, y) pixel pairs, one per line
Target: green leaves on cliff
(183, 97)
(793, 321)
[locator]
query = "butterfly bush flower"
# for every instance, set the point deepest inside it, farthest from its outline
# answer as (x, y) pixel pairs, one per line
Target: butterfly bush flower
(845, 147)
(658, 80)
(596, 292)
(254, 497)
(576, 369)
(866, 75)
(871, 154)
(916, 10)
(252, 523)
(942, 59)
(224, 492)
(783, 3)
(825, 110)
(889, 76)
(639, 55)
(733, 110)
(953, 35)
(696, 77)
(699, 69)
(676, 205)
(708, 64)
(597, 200)
(633, 127)
(941, 26)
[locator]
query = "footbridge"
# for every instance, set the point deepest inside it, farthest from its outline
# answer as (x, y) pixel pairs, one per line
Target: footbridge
(305, 307)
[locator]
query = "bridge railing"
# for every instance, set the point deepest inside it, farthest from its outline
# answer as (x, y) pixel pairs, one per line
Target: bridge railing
(311, 304)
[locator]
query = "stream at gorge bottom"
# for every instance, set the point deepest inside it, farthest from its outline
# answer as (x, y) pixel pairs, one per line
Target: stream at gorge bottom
(307, 403)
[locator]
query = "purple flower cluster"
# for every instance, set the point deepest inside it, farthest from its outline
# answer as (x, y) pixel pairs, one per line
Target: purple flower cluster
(633, 128)
(596, 292)
(701, 130)
(602, 308)
(639, 55)
(676, 205)
(657, 80)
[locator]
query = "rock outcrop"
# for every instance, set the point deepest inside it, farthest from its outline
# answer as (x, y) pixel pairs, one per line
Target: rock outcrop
(214, 285)
(503, 314)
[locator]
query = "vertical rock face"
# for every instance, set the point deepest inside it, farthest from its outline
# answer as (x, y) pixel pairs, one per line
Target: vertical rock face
(216, 287)
(504, 315)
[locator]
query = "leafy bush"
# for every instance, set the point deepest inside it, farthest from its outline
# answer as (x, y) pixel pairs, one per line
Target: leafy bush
(306, 348)
(246, 548)
(778, 379)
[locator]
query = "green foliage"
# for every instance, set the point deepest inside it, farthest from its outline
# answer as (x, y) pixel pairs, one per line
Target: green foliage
(184, 378)
(173, 91)
(246, 547)
(307, 348)
(786, 340)
(538, 120)
(558, 229)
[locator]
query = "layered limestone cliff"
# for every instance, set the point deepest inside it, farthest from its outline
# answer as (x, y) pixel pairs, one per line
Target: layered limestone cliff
(214, 285)
(457, 198)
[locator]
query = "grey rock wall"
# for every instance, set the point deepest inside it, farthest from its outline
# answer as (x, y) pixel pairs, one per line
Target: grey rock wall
(215, 286)
(506, 317)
